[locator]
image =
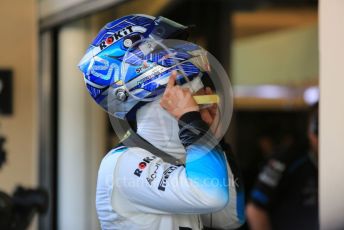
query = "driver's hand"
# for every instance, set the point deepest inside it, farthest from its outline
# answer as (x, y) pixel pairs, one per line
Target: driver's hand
(176, 100)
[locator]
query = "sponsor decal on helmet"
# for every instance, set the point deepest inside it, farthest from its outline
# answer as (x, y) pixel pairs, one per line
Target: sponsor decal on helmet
(151, 74)
(104, 69)
(144, 67)
(120, 34)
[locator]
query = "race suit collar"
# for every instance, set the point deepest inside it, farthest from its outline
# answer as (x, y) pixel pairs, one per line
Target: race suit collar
(159, 128)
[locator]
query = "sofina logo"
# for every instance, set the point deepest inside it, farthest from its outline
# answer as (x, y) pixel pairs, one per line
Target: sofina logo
(151, 74)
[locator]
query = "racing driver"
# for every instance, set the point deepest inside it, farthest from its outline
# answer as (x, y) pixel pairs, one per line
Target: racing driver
(142, 188)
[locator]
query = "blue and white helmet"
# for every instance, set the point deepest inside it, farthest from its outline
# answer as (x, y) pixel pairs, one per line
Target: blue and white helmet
(128, 62)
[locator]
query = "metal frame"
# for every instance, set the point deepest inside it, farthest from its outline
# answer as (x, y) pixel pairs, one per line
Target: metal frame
(48, 126)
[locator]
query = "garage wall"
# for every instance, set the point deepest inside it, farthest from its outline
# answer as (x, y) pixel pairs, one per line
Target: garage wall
(18, 46)
(284, 57)
(331, 114)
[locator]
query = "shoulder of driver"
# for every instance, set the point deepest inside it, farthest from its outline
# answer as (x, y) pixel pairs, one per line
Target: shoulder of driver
(154, 186)
(140, 183)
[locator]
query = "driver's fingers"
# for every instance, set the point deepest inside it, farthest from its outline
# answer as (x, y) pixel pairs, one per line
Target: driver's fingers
(171, 80)
(208, 91)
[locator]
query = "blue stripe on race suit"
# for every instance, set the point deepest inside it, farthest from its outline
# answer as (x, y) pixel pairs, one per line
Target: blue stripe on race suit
(119, 149)
(207, 169)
